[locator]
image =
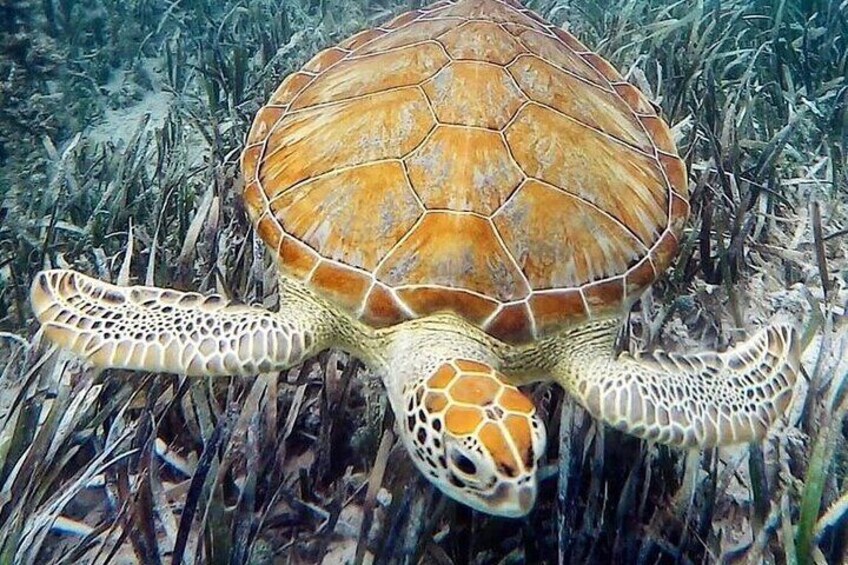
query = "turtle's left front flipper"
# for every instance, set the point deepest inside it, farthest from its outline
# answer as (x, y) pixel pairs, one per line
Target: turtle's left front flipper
(684, 400)
(154, 329)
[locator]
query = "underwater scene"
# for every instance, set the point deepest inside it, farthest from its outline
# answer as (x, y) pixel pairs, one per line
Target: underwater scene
(398, 281)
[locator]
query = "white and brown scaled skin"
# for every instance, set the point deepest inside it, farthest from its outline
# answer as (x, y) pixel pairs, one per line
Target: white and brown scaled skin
(466, 198)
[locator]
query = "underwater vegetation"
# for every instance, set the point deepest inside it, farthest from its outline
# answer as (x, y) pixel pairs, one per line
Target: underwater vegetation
(120, 129)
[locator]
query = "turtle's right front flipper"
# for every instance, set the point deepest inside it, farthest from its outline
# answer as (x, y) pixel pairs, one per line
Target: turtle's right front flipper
(684, 400)
(153, 329)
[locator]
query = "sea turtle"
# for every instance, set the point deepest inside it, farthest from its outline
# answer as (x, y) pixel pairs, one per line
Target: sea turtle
(467, 199)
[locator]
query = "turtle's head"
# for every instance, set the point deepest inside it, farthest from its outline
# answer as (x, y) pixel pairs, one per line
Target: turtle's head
(475, 437)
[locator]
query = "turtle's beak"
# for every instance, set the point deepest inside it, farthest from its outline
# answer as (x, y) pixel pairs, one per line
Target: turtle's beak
(512, 500)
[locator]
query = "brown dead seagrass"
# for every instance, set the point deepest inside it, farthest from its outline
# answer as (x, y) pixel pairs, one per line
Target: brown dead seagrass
(467, 199)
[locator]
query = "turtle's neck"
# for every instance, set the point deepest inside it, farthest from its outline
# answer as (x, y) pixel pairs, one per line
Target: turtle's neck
(444, 332)
(535, 361)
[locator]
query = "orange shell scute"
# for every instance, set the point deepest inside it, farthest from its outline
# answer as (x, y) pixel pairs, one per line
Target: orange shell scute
(266, 118)
(548, 307)
(403, 20)
(565, 153)
(289, 88)
(512, 399)
(602, 66)
(569, 40)
(640, 276)
(382, 308)
(361, 38)
(481, 41)
(408, 35)
(323, 212)
(250, 164)
(442, 377)
(305, 144)
(675, 172)
(376, 73)
(470, 366)
(679, 210)
(566, 94)
(659, 132)
(555, 52)
(324, 60)
(480, 183)
(665, 249)
(346, 286)
(600, 295)
(491, 10)
(493, 438)
(513, 322)
(634, 97)
(462, 420)
(475, 389)
(468, 157)
(472, 93)
(518, 428)
(435, 402)
(298, 258)
(561, 254)
(428, 300)
(455, 251)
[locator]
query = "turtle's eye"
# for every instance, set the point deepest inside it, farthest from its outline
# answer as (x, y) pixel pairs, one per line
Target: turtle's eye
(463, 463)
(467, 467)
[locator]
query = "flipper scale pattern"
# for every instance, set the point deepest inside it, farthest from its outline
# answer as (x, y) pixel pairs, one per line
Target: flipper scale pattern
(152, 329)
(693, 400)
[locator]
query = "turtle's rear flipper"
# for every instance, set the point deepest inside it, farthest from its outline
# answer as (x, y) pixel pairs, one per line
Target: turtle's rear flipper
(686, 400)
(154, 329)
